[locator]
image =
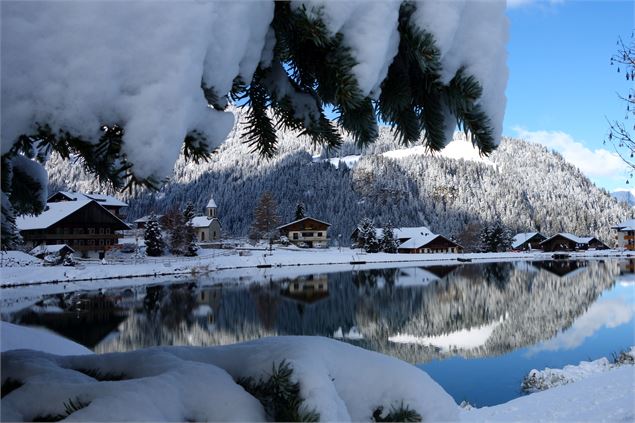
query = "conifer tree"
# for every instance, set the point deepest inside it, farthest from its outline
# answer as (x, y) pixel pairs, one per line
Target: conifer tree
(299, 211)
(495, 238)
(190, 239)
(266, 218)
(389, 243)
(175, 225)
(153, 237)
(367, 237)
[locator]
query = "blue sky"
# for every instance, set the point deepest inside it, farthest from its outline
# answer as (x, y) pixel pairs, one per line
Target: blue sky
(561, 87)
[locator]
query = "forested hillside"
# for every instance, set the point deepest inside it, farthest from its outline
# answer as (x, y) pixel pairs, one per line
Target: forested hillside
(524, 185)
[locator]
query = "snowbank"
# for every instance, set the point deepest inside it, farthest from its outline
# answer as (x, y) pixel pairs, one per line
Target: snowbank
(17, 259)
(601, 397)
(14, 337)
(540, 380)
(340, 381)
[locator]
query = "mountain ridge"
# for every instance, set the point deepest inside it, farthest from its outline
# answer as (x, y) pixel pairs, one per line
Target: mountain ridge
(521, 184)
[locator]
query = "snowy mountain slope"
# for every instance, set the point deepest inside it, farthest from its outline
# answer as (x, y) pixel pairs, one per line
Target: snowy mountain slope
(624, 196)
(525, 185)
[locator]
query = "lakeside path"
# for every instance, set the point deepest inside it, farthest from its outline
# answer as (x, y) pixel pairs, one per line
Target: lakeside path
(234, 263)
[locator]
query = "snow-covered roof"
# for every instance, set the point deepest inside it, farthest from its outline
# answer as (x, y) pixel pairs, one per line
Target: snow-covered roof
(519, 239)
(627, 225)
(49, 249)
(53, 213)
(202, 221)
(418, 241)
(145, 218)
(300, 220)
(102, 199)
(571, 237)
(420, 231)
(211, 204)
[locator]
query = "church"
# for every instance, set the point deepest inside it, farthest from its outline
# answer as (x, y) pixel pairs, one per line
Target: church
(207, 227)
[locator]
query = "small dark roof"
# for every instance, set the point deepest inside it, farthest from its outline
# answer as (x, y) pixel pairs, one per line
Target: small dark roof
(300, 220)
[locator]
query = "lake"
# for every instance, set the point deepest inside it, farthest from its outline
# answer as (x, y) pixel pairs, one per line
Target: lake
(477, 329)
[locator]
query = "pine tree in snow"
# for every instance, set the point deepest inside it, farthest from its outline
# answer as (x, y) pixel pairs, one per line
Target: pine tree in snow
(153, 237)
(266, 219)
(189, 237)
(367, 237)
(495, 238)
(389, 243)
(299, 211)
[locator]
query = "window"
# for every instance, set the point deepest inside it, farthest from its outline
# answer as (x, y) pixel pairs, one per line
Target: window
(101, 242)
(307, 234)
(319, 234)
(295, 235)
(108, 231)
(91, 231)
(202, 236)
(101, 231)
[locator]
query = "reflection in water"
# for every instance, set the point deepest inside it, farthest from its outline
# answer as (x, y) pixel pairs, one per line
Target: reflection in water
(417, 313)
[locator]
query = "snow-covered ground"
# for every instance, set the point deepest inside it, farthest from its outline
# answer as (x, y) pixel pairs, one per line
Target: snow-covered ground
(339, 381)
(210, 261)
(602, 397)
(540, 380)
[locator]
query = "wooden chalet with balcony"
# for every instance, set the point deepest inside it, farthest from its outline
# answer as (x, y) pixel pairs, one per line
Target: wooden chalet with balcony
(527, 241)
(569, 242)
(625, 237)
(306, 232)
(82, 224)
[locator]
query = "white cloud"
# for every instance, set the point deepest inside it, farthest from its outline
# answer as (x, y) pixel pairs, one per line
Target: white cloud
(593, 163)
(522, 3)
(604, 314)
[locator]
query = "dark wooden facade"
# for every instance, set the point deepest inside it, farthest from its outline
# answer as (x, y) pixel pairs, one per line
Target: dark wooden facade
(560, 242)
(89, 228)
(532, 243)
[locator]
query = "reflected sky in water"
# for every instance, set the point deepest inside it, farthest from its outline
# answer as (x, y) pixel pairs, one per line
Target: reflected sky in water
(476, 328)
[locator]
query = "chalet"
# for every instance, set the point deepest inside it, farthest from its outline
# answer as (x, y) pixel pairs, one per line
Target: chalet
(110, 203)
(207, 227)
(625, 235)
(306, 232)
(527, 241)
(44, 250)
(569, 242)
(418, 240)
(82, 224)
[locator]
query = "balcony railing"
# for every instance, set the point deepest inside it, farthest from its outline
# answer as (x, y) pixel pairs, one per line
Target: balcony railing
(71, 236)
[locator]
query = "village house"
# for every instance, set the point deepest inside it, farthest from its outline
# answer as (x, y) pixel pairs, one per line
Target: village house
(82, 224)
(207, 227)
(527, 241)
(625, 237)
(143, 221)
(110, 203)
(569, 242)
(417, 240)
(306, 232)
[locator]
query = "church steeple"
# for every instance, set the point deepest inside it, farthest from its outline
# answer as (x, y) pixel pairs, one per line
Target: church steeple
(211, 209)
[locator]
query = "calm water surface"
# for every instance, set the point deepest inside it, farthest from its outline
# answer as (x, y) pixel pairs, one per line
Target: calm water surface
(477, 329)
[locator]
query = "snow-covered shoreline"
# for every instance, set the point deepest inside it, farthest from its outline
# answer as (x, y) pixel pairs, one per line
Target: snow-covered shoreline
(212, 261)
